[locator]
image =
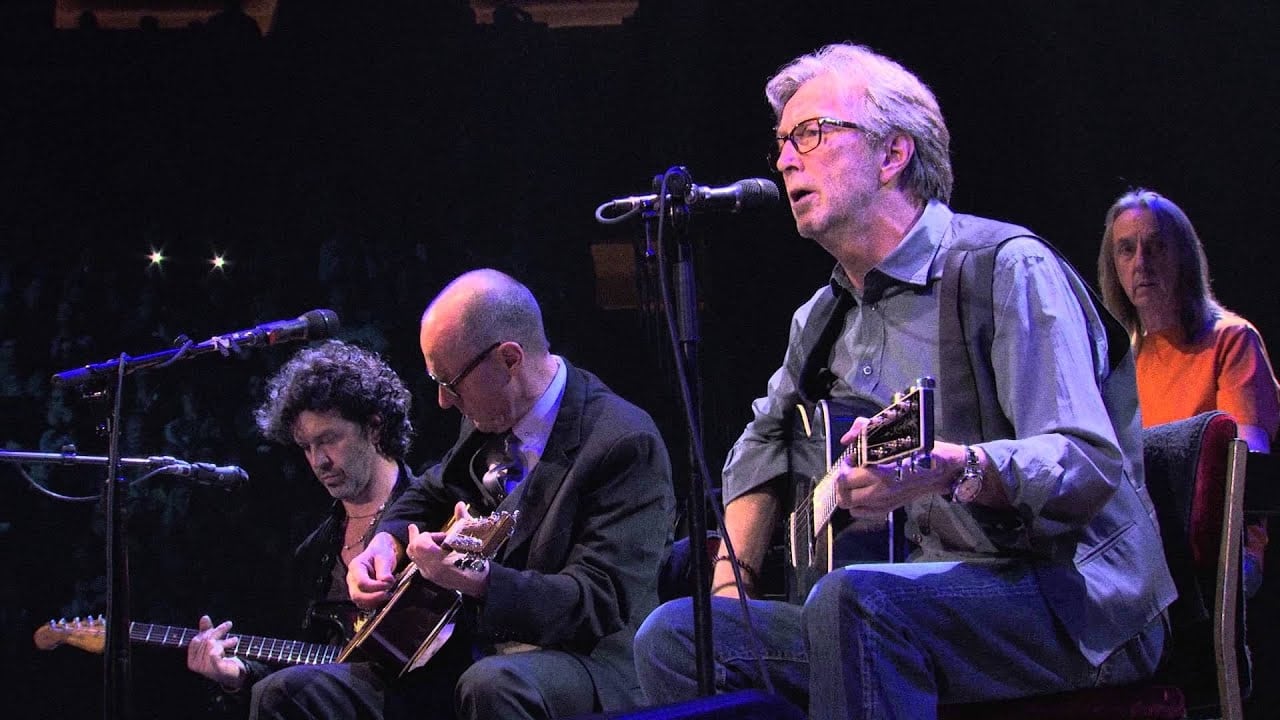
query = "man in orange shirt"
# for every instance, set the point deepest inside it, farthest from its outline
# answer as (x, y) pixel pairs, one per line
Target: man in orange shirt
(1193, 355)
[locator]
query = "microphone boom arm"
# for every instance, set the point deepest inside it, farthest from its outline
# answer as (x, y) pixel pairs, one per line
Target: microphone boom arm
(313, 325)
(204, 473)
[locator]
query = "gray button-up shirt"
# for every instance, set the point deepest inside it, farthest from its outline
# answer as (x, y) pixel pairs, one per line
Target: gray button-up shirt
(1064, 461)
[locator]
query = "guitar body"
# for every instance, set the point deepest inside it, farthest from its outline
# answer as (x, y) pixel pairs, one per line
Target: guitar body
(406, 632)
(818, 535)
(418, 619)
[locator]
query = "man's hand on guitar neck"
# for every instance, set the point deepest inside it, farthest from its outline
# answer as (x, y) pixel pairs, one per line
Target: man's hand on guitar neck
(209, 654)
(874, 490)
(443, 566)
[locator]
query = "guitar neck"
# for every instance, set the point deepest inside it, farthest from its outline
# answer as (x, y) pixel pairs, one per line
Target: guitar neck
(250, 647)
(824, 493)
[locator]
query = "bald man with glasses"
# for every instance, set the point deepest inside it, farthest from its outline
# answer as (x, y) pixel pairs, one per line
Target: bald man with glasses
(546, 627)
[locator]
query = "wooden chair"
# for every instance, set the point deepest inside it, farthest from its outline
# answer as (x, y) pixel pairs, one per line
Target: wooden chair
(1195, 471)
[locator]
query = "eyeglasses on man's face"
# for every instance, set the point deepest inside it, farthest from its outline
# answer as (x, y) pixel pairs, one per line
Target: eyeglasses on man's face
(807, 135)
(451, 386)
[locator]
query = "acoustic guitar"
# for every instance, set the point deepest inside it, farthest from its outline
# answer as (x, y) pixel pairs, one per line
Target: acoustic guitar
(901, 432)
(418, 619)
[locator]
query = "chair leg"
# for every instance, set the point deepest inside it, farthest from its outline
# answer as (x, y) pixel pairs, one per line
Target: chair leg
(1225, 631)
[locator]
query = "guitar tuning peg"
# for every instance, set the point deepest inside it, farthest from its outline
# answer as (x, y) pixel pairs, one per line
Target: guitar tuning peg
(471, 562)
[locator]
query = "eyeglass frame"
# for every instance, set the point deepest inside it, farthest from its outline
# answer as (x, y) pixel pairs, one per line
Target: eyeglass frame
(776, 151)
(451, 386)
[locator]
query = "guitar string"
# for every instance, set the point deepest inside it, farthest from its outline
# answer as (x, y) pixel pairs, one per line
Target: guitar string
(806, 509)
(251, 646)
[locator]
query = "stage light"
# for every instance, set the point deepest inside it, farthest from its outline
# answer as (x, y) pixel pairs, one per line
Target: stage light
(156, 257)
(219, 262)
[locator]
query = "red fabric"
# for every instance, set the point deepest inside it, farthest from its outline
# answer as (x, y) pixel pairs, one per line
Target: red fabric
(1210, 493)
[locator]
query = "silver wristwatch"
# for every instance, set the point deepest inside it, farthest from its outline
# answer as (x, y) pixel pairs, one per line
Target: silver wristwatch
(966, 487)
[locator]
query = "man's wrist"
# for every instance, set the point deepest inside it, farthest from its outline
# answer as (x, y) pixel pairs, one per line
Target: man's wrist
(967, 486)
(750, 576)
(242, 672)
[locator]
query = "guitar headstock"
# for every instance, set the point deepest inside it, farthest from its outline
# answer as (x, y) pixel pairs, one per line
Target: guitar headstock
(904, 428)
(89, 634)
(481, 537)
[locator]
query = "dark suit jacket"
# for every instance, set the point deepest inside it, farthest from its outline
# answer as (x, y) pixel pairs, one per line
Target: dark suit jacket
(581, 571)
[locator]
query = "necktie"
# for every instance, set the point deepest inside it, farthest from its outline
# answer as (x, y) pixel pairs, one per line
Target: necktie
(503, 466)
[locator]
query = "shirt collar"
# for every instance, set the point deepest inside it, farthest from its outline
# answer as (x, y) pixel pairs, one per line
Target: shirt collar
(535, 427)
(911, 262)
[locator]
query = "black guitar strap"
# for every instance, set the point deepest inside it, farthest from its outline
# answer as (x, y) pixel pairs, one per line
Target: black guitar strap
(826, 320)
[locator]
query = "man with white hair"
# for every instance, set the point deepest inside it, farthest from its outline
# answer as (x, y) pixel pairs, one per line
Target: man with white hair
(1036, 563)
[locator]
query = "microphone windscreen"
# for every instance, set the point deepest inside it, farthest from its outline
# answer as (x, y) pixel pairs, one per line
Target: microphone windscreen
(321, 323)
(757, 192)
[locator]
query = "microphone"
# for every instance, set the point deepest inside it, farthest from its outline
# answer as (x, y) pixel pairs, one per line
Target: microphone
(311, 325)
(227, 477)
(742, 195)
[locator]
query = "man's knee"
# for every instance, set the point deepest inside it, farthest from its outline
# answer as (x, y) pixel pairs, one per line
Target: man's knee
(846, 600)
(315, 691)
(837, 592)
(665, 630)
(488, 672)
(486, 684)
(275, 692)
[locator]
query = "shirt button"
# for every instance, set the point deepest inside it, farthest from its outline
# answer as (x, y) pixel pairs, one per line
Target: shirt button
(866, 369)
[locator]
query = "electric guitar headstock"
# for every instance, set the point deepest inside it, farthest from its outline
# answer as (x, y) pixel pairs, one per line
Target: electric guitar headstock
(88, 634)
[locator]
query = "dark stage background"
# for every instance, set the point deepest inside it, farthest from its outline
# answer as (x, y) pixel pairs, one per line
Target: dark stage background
(363, 153)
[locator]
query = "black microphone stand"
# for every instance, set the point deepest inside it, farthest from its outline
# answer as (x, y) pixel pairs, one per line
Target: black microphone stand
(117, 662)
(69, 456)
(670, 207)
(117, 666)
(682, 314)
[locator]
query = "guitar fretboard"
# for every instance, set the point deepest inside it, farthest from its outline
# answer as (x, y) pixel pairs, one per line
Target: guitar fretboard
(252, 647)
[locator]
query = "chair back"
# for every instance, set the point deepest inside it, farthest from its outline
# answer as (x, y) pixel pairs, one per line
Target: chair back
(1189, 476)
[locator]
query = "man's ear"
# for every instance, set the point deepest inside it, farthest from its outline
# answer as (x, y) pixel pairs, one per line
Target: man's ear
(898, 151)
(512, 354)
(373, 428)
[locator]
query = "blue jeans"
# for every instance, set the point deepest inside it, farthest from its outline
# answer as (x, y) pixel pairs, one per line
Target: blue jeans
(891, 641)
